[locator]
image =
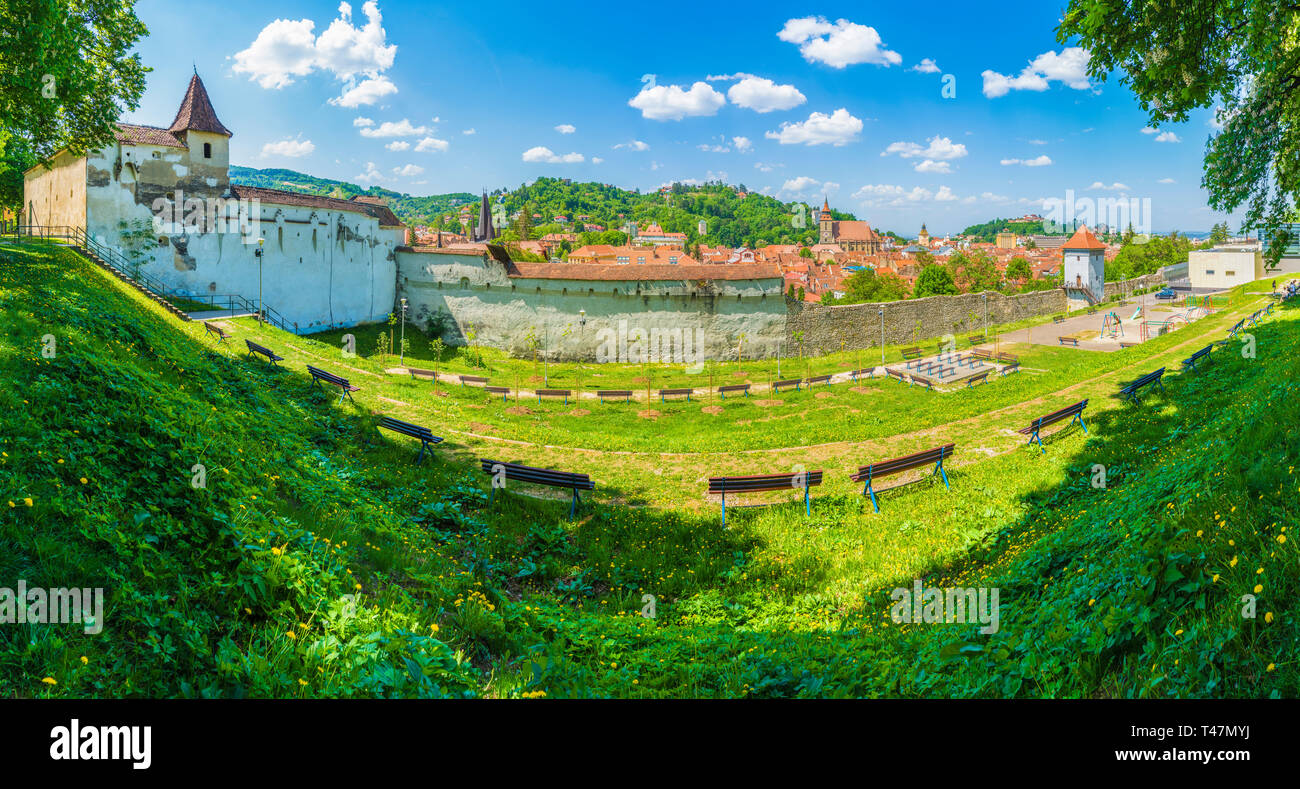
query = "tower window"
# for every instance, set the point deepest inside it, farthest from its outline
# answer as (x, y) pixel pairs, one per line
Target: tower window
(207, 150)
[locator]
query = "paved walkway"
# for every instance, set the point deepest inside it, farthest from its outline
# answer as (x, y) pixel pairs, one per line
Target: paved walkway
(1088, 327)
(211, 315)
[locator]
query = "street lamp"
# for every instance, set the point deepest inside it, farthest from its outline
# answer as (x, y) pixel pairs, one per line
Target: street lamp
(258, 253)
(401, 356)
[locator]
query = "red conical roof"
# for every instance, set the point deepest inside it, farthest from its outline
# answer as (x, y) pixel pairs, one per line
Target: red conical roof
(1083, 239)
(196, 113)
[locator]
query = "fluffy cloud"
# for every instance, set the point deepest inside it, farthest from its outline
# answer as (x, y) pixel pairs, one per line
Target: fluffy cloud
(596, 160)
(431, 145)
(290, 148)
(931, 166)
(888, 194)
(1115, 187)
(672, 103)
(944, 195)
(841, 44)
(837, 128)
(360, 122)
(402, 128)
(1167, 137)
(398, 145)
(942, 148)
(764, 95)
(926, 66)
(1167, 181)
(470, 131)
(287, 49)
(762, 167)
(634, 145)
(566, 128)
(371, 175)
(1040, 161)
(546, 156)
(797, 186)
(1069, 66)
(409, 170)
(742, 144)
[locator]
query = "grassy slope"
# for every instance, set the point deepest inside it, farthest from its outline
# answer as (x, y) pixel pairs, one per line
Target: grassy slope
(1103, 592)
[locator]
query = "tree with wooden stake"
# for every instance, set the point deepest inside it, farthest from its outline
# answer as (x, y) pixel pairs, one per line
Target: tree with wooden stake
(437, 346)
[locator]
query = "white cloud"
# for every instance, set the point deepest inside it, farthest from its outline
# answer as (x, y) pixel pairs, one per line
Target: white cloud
(1038, 142)
(566, 128)
(944, 195)
(596, 160)
(837, 128)
(546, 156)
(635, 145)
(888, 194)
(1115, 187)
(762, 168)
(431, 145)
(796, 186)
(359, 122)
(1040, 161)
(287, 49)
(764, 95)
(371, 174)
(931, 166)
(841, 44)
(672, 103)
(469, 131)
(398, 145)
(937, 148)
(402, 128)
(1167, 181)
(1069, 66)
(368, 91)
(713, 148)
(926, 66)
(408, 171)
(1167, 137)
(1148, 130)
(742, 144)
(290, 148)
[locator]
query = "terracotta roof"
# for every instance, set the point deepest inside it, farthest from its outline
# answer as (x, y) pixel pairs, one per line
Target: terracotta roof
(846, 230)
(147, 135)
(280, 197)
(196, 113)
(653, 272)
(1083, 239)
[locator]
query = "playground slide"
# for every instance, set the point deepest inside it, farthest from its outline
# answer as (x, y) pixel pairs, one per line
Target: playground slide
(1137, 314)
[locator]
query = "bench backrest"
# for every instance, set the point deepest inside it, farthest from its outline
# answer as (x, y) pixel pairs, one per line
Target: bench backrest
(262, 349)
(1008, 358)
(554, 392)
(397, 425)
(787, 382)
(864, 371)
(540, 476)
(757, 482)
(816, 379)
(214, 329)
(1144, 380)
(497, 389)
(895, 465)
(895, 374)
(909, 353)
(676, 391)
(614, 393)
(414, 371)
(1056, 416)
(734, 388)
(982, 353)
(1202, 352)
(473, 379)
(316, 372)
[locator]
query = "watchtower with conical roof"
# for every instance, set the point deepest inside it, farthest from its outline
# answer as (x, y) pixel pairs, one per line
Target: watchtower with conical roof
(197, 126)
(826, 224)
(1084, 264)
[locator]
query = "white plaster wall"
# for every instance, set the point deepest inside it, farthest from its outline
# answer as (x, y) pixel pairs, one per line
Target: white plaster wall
(1210, 268)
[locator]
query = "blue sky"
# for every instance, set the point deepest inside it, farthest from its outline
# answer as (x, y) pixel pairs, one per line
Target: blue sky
(842, 99)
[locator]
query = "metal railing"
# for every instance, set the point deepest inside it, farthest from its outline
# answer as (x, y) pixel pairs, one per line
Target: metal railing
(128, 269)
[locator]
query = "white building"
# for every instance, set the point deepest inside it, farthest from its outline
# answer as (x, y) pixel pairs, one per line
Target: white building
(1224, 267)
(1084, 259)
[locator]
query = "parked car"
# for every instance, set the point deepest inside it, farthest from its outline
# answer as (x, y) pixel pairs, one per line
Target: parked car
(1167, 293)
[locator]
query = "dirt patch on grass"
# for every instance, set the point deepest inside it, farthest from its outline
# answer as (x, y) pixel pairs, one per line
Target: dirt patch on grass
(649, 413)
(579, 412)
(479, 427)
(535, 379)
(860, 390)
(712, 409)
(768, 403)
(520, 410)
(739, 374)
(822, 395)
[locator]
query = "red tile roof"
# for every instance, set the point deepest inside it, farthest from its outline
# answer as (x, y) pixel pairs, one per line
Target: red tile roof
(280, 197)
(133, 134)
(650, 272)
(196, 113)
(1083, 239)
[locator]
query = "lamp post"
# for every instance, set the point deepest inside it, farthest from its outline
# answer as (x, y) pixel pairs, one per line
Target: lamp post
(882, 338)
(401, 356)
(258, 253)
(986, 316)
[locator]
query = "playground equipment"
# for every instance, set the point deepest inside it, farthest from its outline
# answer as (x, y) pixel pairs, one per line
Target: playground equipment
(1161, 327)
(1112, 326)
(1136, 314)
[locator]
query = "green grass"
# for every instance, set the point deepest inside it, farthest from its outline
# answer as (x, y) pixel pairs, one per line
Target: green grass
(1129, 590)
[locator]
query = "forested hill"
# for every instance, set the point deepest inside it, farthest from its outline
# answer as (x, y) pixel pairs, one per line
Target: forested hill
(733, 216)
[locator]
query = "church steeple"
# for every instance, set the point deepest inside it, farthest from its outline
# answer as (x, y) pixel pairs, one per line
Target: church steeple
(196, 113)
(484, 230)
(826, 210)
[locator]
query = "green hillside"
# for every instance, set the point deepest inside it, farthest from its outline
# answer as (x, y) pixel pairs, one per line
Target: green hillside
(317, 560)
(411, 209)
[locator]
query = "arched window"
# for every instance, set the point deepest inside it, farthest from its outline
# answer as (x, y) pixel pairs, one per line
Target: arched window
(207, 150)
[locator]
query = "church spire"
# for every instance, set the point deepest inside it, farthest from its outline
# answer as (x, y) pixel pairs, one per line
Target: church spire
(484, 230)
(196, 113)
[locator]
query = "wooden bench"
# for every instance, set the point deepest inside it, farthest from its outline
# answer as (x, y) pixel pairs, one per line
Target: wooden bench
(675, 393)
(626, 394)
(983, 354)
(1072, 412)
(1233, 331)
(414, 431)
(1190, 362)
(892, 373)
(1058, 319)
(1123, 345)
(217, 330)
(856, 374)
(1068, 341)
(982, 378)
(554, 393)
(416, 371)
(504, 391)
(536, 476)
(786, 384)
(818, 379)
(921, 382)
(868, 474)
(1132, 391)
(318, 375)
(911, 353)
(975, 339)
(271, 356)
(764, 482)
(477, 380)
(742, 388)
